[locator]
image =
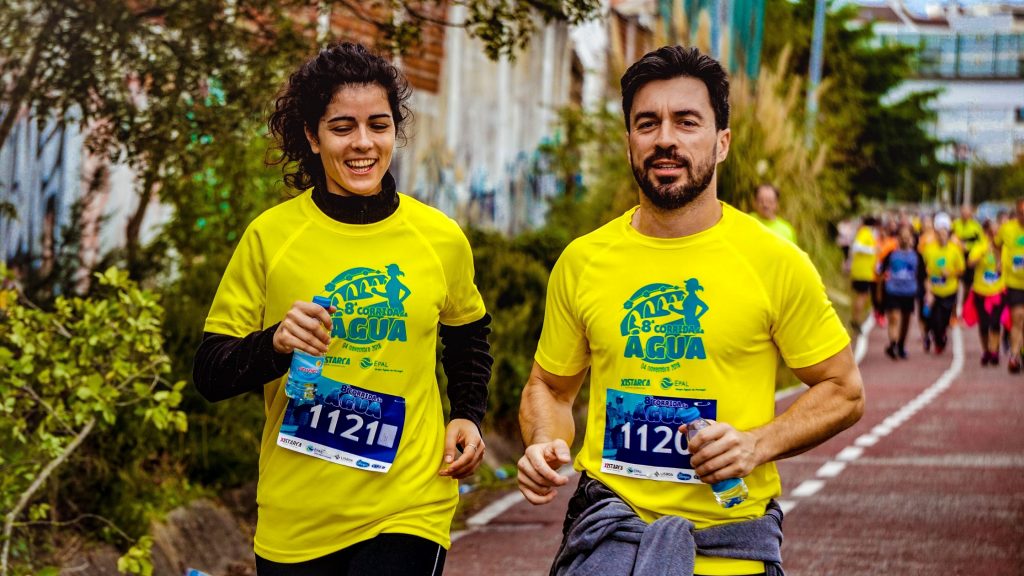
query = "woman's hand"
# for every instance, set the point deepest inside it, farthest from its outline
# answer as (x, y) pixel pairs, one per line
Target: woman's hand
(465, 435)
(306, 327)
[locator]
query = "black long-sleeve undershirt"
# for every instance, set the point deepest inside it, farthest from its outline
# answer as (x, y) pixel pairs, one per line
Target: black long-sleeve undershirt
(227, 366)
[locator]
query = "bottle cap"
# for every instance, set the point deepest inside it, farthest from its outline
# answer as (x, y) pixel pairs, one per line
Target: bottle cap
(324, 301)
(690, 414)
(726, 485)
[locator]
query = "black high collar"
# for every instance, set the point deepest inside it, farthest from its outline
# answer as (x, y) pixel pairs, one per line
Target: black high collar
(359, 209)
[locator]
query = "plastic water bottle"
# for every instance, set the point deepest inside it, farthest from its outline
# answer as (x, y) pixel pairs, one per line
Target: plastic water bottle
(728, 493)
(306, 368)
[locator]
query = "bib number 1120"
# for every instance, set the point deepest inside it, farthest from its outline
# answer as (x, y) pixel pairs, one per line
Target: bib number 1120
(664, 439)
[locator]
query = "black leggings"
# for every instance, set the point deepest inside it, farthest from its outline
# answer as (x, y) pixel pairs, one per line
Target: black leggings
(988, 323)
(384, 555)
(942, 312)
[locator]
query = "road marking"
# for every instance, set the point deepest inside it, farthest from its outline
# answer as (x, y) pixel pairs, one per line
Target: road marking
(830, 469)
(851, 453)
(494, 509)
(500, 506)
(861, 348)
(807, 488)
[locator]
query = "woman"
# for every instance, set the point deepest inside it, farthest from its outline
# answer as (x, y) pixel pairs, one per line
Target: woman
(944, 263)
(366, 484)
(902, 271)
(987, 290)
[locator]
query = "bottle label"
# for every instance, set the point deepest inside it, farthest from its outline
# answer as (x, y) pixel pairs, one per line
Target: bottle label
(642, 437)
(345, 425)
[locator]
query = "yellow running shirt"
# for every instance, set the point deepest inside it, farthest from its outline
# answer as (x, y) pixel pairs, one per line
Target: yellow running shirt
(864, 255)
(392, 282)
(1011, 239)
(777, 225)
(987, 280)
(669, 323)
(968, 233)
(945, 265)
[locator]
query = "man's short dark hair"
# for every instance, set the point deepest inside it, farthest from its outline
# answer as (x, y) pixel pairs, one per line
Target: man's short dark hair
(670, 62)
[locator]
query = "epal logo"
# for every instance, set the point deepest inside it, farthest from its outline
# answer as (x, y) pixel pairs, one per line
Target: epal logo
(666, 383)
(365, 363)
(370, 305)
(662, 323)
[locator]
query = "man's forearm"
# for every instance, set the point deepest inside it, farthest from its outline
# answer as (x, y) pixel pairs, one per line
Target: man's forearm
(543, 416)
(823, 411)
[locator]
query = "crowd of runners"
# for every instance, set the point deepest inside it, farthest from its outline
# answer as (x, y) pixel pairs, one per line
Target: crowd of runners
(939, 270)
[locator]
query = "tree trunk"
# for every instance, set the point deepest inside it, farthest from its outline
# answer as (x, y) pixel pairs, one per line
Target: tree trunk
(19, 94)
(134, 228)
(26, 496)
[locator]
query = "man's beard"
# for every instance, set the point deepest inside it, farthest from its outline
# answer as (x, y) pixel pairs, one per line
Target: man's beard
(671, 195)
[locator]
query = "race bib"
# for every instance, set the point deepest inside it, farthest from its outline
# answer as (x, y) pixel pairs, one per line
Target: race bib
(346, 425)
(642, 438)
(1018, 263)
(990, 277)
(938, 280)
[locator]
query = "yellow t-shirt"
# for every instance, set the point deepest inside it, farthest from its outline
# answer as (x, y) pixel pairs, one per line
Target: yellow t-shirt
(664, 323)
(968, 233)
(945, 265)
(392, 282)
(1011, 240)
(864, 255)
(779, 226)
(987, 279)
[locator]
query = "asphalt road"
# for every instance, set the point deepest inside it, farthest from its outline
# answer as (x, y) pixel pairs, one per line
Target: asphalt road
(930, 481)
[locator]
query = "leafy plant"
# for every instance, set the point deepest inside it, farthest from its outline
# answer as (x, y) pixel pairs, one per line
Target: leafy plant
(83, 367)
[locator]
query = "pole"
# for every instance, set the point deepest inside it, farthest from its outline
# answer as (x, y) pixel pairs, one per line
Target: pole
(814, 72)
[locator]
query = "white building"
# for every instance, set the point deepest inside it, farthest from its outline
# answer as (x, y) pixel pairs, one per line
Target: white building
(975, 56)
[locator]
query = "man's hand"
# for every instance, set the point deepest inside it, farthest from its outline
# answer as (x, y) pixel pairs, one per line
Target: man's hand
(538, 470)
(465, 435)
(720, 452)
(307, 327)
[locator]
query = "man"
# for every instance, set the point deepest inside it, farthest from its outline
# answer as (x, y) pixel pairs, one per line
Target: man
(1011, 243)
(624, 300)
(968, 232)
(766, 204)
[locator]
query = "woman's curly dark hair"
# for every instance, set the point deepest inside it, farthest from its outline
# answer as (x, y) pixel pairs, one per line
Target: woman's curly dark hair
(304, 100)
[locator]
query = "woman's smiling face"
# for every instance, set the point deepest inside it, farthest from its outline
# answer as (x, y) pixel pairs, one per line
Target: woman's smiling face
(355, 139)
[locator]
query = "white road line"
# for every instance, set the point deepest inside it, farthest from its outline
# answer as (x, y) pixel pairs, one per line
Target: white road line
(832, 468)
(862, 341)
(495, 509)
(807, 488)
(500, 506)
(787, 505)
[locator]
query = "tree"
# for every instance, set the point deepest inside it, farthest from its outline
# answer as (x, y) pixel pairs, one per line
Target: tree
(881, 145)
(153, 80)
(85, 366)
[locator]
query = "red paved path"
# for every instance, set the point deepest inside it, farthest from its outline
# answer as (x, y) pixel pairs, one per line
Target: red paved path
(942, 493)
